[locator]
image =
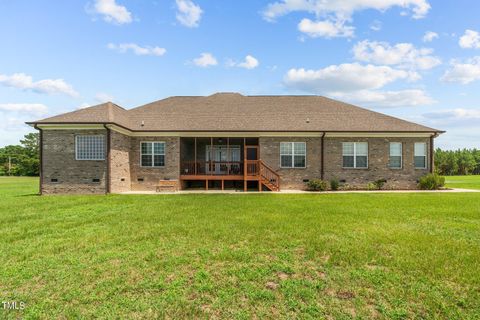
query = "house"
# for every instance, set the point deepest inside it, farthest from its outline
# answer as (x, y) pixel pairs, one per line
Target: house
(228, 140)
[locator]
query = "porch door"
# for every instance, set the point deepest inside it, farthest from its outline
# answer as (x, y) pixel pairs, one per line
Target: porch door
(221, 156)
(251, 155)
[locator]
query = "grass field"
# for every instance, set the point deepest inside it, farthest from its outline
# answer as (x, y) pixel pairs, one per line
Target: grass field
(466, 182)
(339, 256)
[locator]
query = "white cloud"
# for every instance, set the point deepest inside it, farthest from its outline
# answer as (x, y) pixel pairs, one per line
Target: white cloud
(138, 50)
(404, 55)
(463, 73)
(455, 114)
(344, 9)
(189, 14)
(326, 29)
(385, 99)
(50, 86)
(346, 77)
(429, 36)
(338, 13)
(470, 40)
(112, 12)
(250, 62)
(205, 60)
(84, 105)
(35, 108)
(102, 97)
(376, 25)
(358, 83)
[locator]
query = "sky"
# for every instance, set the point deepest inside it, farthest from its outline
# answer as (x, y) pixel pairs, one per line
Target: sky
(414, 59)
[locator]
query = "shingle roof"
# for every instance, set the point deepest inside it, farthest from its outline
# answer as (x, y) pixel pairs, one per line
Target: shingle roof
(235, 112)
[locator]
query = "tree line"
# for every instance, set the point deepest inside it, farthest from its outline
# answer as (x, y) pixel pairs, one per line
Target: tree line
(23, 159)
(457, 162)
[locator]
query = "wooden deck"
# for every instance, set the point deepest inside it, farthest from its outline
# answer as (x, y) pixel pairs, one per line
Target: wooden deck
(248, 170)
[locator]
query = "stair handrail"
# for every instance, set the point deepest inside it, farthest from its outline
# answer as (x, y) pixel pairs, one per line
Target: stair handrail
(264, 166)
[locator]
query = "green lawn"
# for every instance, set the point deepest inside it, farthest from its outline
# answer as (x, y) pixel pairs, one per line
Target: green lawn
(338, 256)
(466, 182)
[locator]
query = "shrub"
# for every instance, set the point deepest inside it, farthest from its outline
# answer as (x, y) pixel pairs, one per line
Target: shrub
(431, 181)
(334, 184)
(317, 185)
(371, 186)
(379, 183)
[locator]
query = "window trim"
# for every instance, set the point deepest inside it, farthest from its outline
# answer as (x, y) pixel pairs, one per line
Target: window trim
(390, 155)
(425, 156)
(293, 154)
(355, 155)
(90, 135)
(153, 154)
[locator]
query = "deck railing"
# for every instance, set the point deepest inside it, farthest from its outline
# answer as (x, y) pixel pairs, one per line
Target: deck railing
(220, 168)
(254, 170)
(253, 167)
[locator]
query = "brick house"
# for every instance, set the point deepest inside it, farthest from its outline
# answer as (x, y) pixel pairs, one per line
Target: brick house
(228, 140)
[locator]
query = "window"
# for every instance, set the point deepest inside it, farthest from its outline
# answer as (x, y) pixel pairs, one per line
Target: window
(420, 158)
(355, 154)
(90, 147)
(395, 161)
(152, 154)
(293, 154)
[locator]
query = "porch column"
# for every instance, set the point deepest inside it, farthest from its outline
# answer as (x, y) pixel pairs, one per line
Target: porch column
(195, 152)
(229, 159)
(244, 164)
(211, 153)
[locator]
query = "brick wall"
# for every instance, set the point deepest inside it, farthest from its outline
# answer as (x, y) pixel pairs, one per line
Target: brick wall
(74, 176)
(292, 178)
(378, 155)
(151, 175)
(120, 177)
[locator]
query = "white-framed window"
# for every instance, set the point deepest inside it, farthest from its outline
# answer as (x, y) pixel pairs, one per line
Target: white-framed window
(293, 154)
(152, 154)
(395, 159)
(355, 155)
(90, 147)
(420, 155)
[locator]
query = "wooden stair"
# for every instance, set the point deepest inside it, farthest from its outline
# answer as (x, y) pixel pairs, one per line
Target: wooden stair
(269, 177)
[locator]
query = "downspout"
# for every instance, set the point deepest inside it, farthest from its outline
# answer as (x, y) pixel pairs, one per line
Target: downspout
(107, 174)
(40, 157)
(322, 157)
(432, 153)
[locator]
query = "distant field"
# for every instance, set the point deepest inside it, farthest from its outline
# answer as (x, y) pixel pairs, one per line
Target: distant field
(466, 182)
(304, 256)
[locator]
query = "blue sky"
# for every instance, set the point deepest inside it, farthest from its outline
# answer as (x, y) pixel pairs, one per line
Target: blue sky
(415, 59)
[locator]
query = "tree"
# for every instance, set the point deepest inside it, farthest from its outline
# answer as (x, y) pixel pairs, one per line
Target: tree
(31, 143)
(21, 160)
(466, 162)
